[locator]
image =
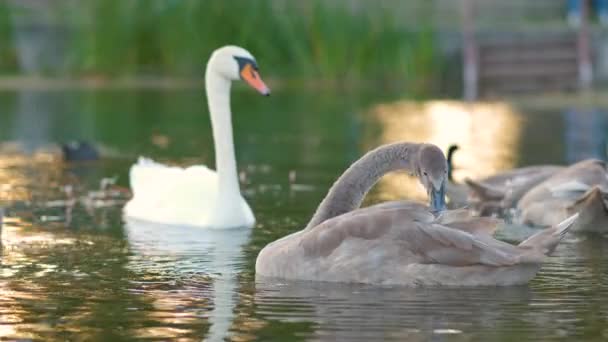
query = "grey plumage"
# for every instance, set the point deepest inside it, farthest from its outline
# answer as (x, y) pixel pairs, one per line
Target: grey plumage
(401, 242)
(580, 188)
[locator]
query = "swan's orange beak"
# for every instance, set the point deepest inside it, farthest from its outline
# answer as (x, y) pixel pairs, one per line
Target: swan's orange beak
(251, 76)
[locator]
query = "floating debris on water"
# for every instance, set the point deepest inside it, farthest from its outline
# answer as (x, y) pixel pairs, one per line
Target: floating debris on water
(292, 176)
(302, 187)
(446, 331)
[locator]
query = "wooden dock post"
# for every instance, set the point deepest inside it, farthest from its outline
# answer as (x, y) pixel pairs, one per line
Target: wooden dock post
(469, 52)
(585, 71)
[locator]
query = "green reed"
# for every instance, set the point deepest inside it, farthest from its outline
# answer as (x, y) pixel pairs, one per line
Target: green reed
(7, 56)
(295, 40)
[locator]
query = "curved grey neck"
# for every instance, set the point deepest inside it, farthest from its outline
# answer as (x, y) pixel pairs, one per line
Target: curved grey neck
(218, 97)
(350, 189)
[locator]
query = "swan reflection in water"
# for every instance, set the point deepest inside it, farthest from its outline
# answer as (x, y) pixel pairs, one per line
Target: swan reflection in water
(340, 312)
(201, 265)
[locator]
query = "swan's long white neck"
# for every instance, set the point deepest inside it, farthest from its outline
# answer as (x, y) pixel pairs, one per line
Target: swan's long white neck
(218, 97)
(350, 189)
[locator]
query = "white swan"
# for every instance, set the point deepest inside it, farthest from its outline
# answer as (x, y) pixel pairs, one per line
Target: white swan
(198, 196)
(402, 243)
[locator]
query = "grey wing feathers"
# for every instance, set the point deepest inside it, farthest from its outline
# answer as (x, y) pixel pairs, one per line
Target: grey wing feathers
(443, 245)
(414, 235)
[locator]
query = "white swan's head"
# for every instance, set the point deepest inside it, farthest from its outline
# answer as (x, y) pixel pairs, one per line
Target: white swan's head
(432, 171)
(235, 63)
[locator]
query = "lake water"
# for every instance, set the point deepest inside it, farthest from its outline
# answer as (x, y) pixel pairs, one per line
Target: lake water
(81, 274)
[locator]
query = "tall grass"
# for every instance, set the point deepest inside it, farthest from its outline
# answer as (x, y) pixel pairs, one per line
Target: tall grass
(7, 52)
(295, 39)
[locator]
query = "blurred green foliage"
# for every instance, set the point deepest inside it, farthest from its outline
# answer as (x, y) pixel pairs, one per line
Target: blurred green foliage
(291, 39)
(7, 50)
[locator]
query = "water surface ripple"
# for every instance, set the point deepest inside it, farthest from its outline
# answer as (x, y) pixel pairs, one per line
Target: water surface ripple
(72, 269)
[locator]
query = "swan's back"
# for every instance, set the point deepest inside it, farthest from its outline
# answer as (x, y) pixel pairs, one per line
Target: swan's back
(571, 182)
(396, 246)
(171, 194)
(519, 175)
(580, 188)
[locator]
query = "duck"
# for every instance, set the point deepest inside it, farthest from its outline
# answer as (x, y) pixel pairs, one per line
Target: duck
(196, 195)
(402, 243)
(79, 150)
(580, 188)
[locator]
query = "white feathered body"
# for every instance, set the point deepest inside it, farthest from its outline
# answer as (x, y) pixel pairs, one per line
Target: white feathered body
(183, 196)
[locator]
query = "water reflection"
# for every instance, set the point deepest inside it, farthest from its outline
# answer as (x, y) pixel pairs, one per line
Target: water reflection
(97, 279)
(33, 106)
(585, 134)
(488, 134)
(39, 115)
(358, 313)
(165, 283)
(191, 257)
(24, 178)
(60, 281)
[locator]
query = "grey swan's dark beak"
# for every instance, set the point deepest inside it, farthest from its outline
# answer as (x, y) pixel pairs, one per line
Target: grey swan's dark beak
(437, 196)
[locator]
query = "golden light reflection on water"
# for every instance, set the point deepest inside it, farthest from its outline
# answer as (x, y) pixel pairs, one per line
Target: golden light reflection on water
(12, 314)
(39, 260)
(17, 185)
(176, 312)
(487, 133)
(32, 257)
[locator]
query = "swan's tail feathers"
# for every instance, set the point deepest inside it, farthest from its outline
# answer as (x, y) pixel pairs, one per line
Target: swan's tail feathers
(484, 192)
(143, 161)
(147, 175)
(547, 240)
(592, 200)
(593, 211)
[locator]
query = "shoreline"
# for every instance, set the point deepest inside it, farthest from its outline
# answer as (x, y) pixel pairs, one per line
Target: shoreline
(16, 83)
(595, 97)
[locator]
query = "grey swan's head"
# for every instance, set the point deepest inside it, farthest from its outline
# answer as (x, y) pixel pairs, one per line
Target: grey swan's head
(432, 171)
